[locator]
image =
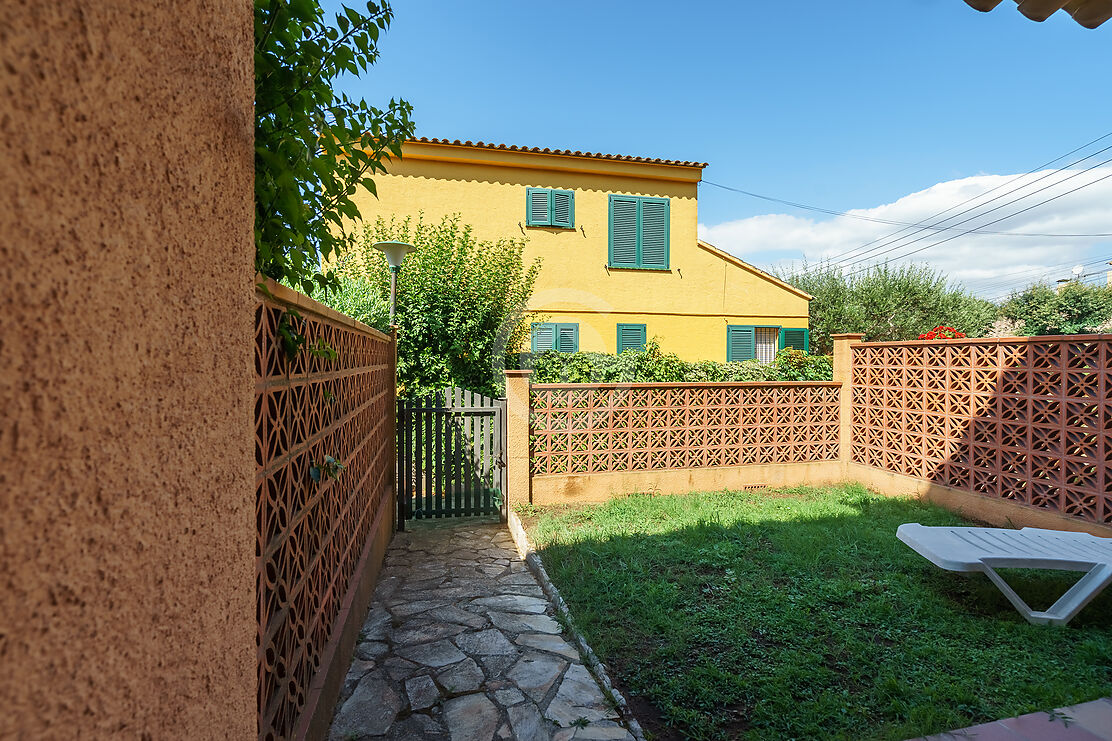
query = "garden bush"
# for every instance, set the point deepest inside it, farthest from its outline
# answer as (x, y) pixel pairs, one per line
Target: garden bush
(652, 365)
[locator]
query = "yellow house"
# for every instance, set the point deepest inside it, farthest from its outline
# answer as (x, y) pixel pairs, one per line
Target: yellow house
(617, 237)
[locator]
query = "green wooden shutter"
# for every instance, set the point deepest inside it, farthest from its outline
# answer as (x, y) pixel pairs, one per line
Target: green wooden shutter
(544, 337)
(562, 208)
(537, 212)
(623, 232)
(797, 338)
(741, 342)
(631, 337)
(567, 337)
(654, 233)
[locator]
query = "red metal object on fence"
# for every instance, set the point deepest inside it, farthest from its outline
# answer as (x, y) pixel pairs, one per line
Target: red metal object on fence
(313, 536)
(1022, 419)
(594, 428)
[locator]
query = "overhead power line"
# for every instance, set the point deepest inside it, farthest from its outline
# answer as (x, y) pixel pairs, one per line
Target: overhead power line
(895, 244)
(1043, 166)
(889, 221)
(1029, 274)
(1006, 216)
(997, 208)
(1042, 275)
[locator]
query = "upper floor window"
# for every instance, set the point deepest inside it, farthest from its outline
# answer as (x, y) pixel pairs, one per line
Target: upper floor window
(546, 207)
(638, 232)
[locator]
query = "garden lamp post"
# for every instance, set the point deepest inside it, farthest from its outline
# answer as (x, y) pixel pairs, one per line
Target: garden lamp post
(395, 252)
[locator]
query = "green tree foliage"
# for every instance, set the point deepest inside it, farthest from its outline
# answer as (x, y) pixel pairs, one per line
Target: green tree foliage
(315, 147)
(886, 303)
(652, 365)
(460, 302)
(1075, 309)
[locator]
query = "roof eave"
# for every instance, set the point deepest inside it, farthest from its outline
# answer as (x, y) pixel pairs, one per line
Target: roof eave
(752, 269)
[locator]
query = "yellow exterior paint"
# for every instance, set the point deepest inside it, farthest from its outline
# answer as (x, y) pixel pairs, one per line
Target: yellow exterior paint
(687, 307)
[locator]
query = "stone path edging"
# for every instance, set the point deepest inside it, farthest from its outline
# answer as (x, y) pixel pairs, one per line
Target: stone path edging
(529, 554)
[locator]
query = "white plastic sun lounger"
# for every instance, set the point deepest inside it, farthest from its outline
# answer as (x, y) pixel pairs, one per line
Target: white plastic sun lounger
(987, 549)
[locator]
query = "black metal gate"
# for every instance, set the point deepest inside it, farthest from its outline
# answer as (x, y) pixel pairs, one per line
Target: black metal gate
(451, 455)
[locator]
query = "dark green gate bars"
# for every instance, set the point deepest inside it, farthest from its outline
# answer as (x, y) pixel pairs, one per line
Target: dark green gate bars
(451, 455)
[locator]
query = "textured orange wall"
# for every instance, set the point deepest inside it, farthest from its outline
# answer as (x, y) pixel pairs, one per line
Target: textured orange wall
(126, 492)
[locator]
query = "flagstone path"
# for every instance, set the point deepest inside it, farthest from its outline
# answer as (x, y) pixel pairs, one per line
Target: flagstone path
(460, 645)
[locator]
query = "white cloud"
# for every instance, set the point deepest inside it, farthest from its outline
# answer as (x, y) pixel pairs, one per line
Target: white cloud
(987, 264)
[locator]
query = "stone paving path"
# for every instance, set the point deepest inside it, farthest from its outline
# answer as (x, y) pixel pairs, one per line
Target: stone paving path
(460, 644)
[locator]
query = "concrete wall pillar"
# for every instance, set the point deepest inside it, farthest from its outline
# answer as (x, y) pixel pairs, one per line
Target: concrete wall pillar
(518, 478)
(843, 373)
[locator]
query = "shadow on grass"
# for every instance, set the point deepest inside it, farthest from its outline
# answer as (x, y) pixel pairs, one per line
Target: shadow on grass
(798, 614)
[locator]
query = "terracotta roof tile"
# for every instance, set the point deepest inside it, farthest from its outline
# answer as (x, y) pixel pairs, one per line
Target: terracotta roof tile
(564, 152)
(1089, 13)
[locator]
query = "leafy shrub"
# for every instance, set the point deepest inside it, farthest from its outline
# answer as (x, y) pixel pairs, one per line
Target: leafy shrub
(652, 365)
(314, 146)
(1075, 308)
(460, 301)
(886, 302)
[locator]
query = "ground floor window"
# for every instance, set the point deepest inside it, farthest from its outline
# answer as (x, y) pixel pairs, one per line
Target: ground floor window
(562, 336)
(631, 337)
(768, 340)
(746, 342)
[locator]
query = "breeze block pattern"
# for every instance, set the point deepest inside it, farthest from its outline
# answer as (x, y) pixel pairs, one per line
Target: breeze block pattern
(596, 428)
(312, 535)
(1023, 419)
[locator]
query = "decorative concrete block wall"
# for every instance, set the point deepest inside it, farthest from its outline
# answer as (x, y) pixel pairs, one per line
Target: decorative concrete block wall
(321, 533)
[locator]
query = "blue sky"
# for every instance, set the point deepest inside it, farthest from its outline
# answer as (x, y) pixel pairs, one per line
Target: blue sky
(842, 105)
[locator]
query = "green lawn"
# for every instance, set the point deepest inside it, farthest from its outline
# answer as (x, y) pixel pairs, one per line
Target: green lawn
(797, 614)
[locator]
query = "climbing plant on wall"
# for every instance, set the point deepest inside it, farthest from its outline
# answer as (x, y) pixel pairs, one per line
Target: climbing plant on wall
(315, 146)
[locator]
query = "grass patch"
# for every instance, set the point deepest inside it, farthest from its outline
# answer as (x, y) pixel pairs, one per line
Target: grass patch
(796, 613)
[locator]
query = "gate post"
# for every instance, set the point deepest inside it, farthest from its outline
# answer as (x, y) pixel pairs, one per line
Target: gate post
(518, 470)
(843, 373)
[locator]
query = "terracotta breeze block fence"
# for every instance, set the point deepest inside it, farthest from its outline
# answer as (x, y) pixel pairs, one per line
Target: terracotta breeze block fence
(1027, 420)
(596, 428)
(1013, 430)
(319, 544)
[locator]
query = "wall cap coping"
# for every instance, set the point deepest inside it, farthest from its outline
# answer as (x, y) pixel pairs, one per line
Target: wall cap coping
(847, 336)
(993, 340)
(686, 384)
(518, 373)
(290, 297)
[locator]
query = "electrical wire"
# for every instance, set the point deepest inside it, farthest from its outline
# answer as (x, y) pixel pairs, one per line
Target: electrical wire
(998, 295)
(894, 247)
(1021, 276)
(895, 223)
(840, 257)
(997, 208)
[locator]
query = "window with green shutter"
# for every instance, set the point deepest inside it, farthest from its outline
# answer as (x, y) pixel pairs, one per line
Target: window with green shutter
(547, 207)
(800, 339)
(741, 342)
(562, 337)
(544, 337)
(631, 337)
(567, 337)
(639, 227)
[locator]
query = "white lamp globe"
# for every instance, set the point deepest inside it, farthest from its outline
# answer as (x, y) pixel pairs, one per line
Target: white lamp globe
(395, 252)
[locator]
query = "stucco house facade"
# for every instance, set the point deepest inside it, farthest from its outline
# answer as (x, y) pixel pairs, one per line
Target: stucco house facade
(617, 236)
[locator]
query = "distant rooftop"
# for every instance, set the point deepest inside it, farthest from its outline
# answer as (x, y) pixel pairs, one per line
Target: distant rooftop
(563, 152)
